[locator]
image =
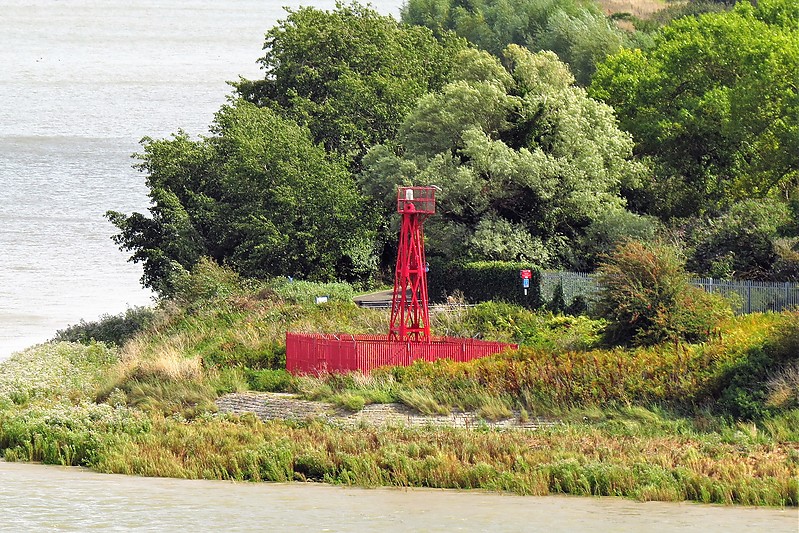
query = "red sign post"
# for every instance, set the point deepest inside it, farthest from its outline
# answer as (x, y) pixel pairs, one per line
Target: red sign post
(526, 277)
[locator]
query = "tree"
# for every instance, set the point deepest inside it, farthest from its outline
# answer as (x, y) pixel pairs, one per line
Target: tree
(525, 159)
(607, 231)
(740, 244)
(349, 75)
(258, 195)
(715, 104)
(577, 31)
(645, 296)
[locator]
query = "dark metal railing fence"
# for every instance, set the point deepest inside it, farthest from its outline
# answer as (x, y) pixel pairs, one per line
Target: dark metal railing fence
(746, 296)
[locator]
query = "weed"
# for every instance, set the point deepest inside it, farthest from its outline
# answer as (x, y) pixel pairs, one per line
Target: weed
(423, 402)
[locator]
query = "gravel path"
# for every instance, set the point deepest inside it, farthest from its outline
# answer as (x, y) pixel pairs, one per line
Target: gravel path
(281, 406)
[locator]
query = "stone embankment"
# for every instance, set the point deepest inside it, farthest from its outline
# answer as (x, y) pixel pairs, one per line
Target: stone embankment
(281, 406)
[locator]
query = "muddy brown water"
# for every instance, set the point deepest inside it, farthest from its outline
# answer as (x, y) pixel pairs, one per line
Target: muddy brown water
(48, 498)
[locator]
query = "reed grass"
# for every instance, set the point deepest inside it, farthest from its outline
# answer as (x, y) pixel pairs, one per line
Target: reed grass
(570, 459)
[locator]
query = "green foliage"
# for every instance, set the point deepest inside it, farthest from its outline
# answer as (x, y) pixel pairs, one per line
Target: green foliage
(732, 375)
(674, 11)
(258, 196)
(606, 444)
(526, 161)
(167, 386)
(57, 371)
(111, 329)
(583, 40)
(305, 292)
(747, 389)
(66, 434)
(608, 230)
(511, 323)
(268, 380)
(497, 319)
(786, 266)
(645, 296)
(714, 104)
(207, 283)
(572, 459)
(575, 30)
(484, 281)
(740, 244)
(350, 75)
(228, 380)
(557, 304)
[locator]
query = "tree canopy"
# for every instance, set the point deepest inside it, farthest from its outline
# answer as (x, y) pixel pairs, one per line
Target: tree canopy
(257, 195)
(350, 75)
(524, 158)
(298, 176)
(576, 30)
(715, 103)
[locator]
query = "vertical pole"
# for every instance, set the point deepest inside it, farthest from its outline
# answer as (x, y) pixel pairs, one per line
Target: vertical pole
(785, 304)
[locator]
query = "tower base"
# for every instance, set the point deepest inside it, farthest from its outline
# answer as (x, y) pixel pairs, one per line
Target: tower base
(319, 353)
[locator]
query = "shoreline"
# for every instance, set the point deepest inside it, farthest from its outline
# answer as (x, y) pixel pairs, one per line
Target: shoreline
(318, 485)
(165, 503)
(644, 457)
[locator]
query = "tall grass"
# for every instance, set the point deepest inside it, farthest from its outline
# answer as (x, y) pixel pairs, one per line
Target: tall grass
(571, 459)
(683, 376)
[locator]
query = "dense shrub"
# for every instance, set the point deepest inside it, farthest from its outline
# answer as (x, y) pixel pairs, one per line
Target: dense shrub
(740, 244)
(113, 329)
(786, 267)
(606, 231)
(484, 281)
(645, 295)
(206, 282)
(765, 379)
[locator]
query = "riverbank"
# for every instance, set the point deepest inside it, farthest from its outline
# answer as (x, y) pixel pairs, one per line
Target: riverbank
(195, 389)
(634, 453)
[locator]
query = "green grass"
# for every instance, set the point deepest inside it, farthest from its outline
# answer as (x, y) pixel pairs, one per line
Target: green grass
(574, 459)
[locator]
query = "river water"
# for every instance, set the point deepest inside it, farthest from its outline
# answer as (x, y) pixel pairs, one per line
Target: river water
(42, 498)
(81, 82)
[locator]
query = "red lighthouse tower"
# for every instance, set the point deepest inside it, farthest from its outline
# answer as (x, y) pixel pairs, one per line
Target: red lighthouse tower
(408, 338)
(410, 319)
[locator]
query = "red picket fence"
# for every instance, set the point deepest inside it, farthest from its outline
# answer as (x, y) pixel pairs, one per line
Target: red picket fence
(316, 353)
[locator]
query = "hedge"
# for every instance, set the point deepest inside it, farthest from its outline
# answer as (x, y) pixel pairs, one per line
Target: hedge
(484, 281)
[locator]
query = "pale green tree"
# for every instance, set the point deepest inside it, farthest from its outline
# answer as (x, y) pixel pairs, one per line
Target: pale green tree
(576, 30)
(524, 158)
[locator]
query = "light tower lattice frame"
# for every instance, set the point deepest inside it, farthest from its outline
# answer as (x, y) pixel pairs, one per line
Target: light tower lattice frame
(410, 317)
